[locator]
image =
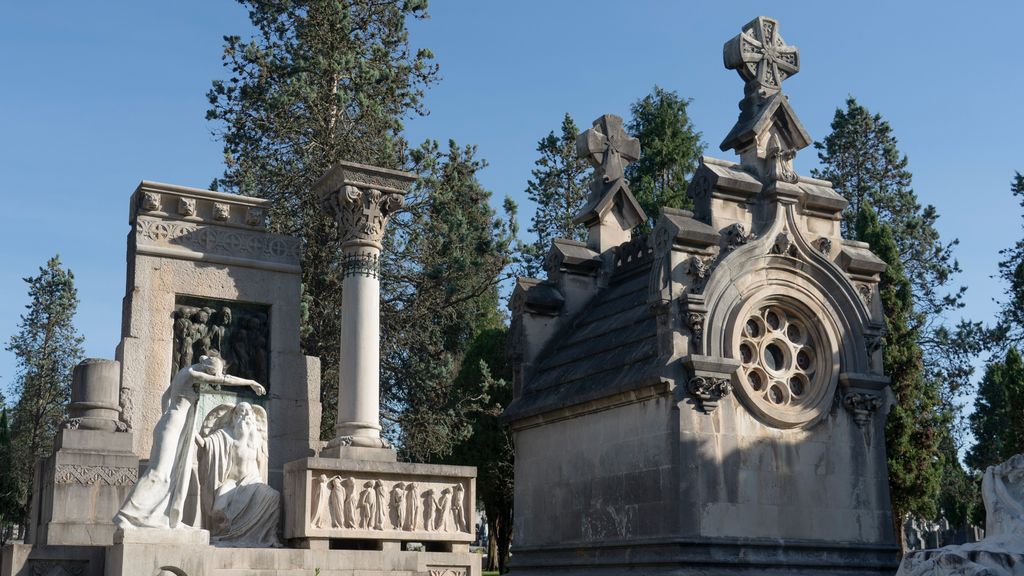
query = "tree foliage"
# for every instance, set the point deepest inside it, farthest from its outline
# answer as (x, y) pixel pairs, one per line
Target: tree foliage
(47, 346)
(1011, 272)
(320, 81)
(670, 150)
(916, 422)
(329, 80)
(486, 372)
(996, 422)
(10, 489)
(558, 187)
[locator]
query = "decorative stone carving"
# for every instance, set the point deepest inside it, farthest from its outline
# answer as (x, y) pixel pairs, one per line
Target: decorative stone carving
(865, 294)
(699, 269)
(59, 567)
(780, 162)
(709, 391)
(824, 245)
(158, 499)
(609, 149)
(862, 405)
(783, 245)
(237, 332)
(221, 211)
(217, 240)
(187, 206)
(361, 214)
(103, 475)
(151, 201)
(695, 322)
(361, 504)
(447, 571)
(256, 216)
(361, 264)
(761, 56)
(238, 507)
(736, 236)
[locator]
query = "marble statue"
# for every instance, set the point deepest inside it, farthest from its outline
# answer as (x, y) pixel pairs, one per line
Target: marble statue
(1001, 552)
(238, 506)
(158, 499)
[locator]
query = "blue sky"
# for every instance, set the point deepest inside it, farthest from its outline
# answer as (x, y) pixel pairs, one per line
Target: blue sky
(98, 96)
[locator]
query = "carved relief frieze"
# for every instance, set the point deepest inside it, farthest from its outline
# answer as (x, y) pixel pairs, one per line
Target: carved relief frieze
(239, 333)
(349, 505)
(217, 240)
(709, 390)
(58, 567)
(446, 571)
(86, 475)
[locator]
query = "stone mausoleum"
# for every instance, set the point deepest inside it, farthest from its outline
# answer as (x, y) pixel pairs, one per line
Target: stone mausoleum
(708, 398)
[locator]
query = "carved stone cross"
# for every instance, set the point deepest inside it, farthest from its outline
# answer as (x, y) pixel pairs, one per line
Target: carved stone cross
(760, 54)
(608, 147)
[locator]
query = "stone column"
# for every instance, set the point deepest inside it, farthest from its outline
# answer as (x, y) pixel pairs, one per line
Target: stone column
(361, 199)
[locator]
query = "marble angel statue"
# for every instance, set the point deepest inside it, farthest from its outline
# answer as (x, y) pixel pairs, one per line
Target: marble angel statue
(158, 499)
(238, 507)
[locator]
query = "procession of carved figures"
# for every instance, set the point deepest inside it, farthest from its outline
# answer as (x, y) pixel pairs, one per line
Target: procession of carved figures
(357, 504)
(236, 332)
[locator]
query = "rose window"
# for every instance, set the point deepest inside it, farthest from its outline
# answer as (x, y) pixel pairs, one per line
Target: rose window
(778, 352)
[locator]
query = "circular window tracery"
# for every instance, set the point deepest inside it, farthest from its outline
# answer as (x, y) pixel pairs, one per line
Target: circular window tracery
(779, 350)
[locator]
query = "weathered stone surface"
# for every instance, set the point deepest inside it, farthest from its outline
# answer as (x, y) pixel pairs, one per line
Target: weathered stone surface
(331, 498)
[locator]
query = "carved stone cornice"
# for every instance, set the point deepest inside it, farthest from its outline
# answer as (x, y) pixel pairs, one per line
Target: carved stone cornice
(361, 199)
(198, 241)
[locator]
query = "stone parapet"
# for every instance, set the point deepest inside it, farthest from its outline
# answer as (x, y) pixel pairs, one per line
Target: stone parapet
(377, 500)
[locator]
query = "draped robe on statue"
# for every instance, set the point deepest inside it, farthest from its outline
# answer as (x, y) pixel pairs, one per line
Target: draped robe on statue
(238, 507)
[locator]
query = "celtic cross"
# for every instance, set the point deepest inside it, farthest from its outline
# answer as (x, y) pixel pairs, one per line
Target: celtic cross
(608, 147)
(761, 56)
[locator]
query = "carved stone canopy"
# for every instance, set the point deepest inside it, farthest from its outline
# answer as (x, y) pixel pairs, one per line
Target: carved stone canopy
(362, 198)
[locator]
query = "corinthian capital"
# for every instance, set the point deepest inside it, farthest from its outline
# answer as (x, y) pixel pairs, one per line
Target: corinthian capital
(361, 199)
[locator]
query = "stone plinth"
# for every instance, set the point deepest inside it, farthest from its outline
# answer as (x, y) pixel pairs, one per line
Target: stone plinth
(191, 249)
(81, 486)
(330, 499)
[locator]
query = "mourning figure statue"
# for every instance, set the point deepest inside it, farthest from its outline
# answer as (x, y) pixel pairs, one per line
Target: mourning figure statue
(158, 499)
(239, 508)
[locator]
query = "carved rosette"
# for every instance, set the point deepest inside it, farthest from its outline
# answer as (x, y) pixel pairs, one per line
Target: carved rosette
(862, 405)
(708, 391)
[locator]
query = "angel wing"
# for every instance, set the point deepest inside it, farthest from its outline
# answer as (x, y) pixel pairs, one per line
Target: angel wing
(218, 418)
(261, 423)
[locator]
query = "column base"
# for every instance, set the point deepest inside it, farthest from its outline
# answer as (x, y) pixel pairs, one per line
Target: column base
(375, 454)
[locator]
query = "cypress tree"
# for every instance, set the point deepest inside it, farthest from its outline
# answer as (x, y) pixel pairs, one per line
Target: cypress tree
(47, 346)
(10, 491)
(1011, 272)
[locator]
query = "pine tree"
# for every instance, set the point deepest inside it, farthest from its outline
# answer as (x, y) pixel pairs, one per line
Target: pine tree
(671, 149)
(10, 491)
(559, 189)
(1011, 271)
(321, 81)
(916, 422)
(47, 347)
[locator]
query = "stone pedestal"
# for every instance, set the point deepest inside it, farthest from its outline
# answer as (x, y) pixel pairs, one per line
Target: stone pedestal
(81, 486)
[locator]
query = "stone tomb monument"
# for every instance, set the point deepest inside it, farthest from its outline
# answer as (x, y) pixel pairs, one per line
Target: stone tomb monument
(708, 398)
(211, 391)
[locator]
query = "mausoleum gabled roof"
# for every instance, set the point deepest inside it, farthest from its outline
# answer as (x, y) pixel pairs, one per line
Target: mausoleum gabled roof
(608, 348)
(756, 120)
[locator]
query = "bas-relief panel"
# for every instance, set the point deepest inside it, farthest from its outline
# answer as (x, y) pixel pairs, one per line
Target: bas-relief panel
(358, 503)
(239, 332)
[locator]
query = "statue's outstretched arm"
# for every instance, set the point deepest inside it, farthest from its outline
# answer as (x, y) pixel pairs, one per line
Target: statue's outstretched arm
(229, 380)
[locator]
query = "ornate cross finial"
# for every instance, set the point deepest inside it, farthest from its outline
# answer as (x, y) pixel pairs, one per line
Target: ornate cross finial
(608, 147)
(761, 56)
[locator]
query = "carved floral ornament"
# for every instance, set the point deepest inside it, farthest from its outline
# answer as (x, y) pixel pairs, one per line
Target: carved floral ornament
(362, 213)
